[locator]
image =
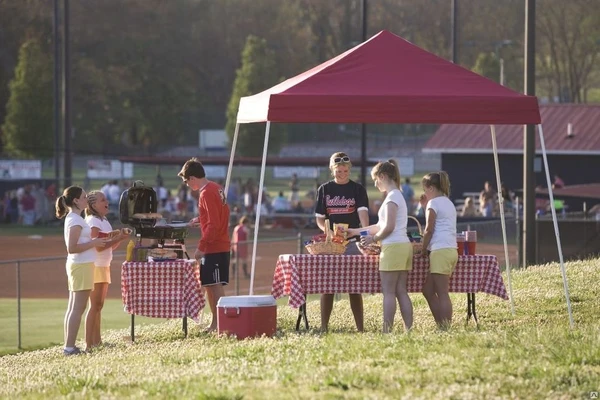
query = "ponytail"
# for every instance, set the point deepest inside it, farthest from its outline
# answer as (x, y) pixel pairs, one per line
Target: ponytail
(439, 180)
(61, 207)
(66, 200)
(388, 168)
(444, 183)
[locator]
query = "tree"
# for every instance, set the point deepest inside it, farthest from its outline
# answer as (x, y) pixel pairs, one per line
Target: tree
(570, 44)
(488, 65)
(28, 125)
(257, 72)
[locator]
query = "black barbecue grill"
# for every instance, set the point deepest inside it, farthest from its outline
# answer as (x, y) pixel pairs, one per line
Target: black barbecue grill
(141, 199)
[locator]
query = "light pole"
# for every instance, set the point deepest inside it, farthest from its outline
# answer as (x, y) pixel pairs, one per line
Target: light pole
(454, 30)
(363, 128)
(497, 48)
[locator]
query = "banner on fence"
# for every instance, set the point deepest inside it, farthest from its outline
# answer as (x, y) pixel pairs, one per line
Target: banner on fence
(20, 169)
(301, 172)
(215, 171)
(109, 169)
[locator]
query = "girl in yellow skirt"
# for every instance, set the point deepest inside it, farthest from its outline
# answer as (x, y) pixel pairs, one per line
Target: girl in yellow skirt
(395, 259)
(96, 211)
(440, 239)
(80, 263)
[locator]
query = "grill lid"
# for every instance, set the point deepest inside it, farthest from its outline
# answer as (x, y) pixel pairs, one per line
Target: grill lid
(137, 199)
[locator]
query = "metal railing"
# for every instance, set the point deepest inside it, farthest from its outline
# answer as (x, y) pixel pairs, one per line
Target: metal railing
(19, 262)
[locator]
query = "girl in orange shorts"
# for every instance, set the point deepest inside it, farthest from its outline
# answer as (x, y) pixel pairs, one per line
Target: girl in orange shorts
(96, 211)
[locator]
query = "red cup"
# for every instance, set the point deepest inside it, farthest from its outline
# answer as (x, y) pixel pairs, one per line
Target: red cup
(471, 247)
(460, 243)
(471, 242)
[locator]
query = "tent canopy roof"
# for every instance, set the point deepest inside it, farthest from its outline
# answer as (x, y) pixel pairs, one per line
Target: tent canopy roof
(389, 80)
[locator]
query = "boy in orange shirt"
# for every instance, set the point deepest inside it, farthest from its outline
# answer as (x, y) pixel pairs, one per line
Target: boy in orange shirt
(213, 248)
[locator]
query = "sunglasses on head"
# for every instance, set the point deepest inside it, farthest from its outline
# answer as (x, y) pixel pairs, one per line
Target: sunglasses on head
(338, 160)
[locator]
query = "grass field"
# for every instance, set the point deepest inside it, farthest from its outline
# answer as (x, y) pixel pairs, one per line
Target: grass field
(42, 320)
(533, 354)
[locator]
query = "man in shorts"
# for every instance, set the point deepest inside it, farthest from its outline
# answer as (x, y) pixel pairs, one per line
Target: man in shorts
(213, 248)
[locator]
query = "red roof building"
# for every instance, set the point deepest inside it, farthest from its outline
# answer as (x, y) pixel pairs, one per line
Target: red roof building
(572, 139)
(583, 136)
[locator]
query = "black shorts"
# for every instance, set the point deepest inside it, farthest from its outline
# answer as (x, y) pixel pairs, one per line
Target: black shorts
(214, 269)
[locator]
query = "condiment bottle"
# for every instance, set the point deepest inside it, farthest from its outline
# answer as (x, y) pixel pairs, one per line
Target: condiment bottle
(130, 249)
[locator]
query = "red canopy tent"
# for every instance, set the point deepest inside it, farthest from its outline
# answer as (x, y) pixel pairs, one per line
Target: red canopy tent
(389, 80)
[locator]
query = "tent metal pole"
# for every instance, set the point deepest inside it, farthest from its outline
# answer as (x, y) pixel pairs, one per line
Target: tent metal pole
(554, 220)
(230, 168)
(259, 206)
(502, 219)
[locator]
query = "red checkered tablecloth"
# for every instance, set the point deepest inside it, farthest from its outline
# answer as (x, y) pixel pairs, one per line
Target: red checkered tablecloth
(299, 274)
(162, 289)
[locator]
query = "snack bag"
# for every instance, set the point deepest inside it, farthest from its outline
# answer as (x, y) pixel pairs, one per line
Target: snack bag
(340, 230)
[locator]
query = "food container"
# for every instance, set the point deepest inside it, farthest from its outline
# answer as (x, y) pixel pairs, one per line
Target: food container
(247, 316)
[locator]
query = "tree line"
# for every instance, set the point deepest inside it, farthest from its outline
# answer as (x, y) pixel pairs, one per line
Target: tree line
(147, 74)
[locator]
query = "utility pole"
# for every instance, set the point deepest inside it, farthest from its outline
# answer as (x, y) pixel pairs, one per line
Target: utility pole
(66, 103)
(454, 30)
(529, 236)
(57, 106)
(363, 130)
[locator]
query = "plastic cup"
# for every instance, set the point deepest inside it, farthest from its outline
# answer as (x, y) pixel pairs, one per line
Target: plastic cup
(460, 243)
(471, 242)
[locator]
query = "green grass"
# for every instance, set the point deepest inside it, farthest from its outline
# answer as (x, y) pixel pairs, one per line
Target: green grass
(42, 322)
(533, 354)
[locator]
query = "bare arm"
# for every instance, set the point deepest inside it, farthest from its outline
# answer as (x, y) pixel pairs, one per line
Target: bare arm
(73, 247)
(321, 223)
(113, 243)
(390, 223)
(429, 228)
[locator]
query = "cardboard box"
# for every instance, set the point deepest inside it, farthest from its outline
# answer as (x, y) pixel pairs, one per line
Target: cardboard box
(247, 316)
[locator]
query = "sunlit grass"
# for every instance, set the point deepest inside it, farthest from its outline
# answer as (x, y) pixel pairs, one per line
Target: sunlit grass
(533, 354)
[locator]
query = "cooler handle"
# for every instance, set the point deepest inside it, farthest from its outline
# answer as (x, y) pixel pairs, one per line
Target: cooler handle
(237, 311)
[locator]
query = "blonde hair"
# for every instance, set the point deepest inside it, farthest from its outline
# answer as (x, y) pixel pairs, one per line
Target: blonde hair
(339, 154)
(388, 168)
(92, 198)
(439, 180)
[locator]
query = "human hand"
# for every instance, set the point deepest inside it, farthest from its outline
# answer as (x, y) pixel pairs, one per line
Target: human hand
(100, 242)
(353, 232)
(198, 255)
(367, 240)
(423, 200)
(193, 223)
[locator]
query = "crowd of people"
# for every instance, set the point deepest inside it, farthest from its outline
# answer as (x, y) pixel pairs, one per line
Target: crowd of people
(30, 204)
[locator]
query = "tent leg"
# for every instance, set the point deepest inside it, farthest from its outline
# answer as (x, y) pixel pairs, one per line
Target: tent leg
(554, 220)
(230, 168)
(259, 205)
(502, 219)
